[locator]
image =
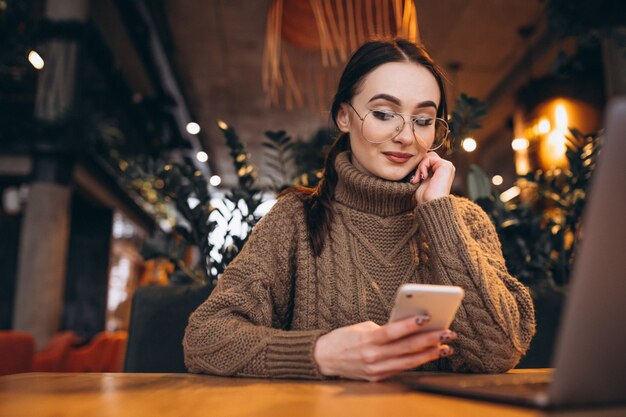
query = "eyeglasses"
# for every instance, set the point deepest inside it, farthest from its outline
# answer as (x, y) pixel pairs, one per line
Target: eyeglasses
(379, 126)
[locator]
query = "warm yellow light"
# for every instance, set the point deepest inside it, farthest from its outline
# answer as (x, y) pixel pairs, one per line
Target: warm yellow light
(222, 124)
(202, 156)
(544, 126)
(35, 60)
(561, 118)
(193, 128)
(510, 194)
(554, 147)
(215, 180)
(519, 144)
(469, 144)
(497, 180)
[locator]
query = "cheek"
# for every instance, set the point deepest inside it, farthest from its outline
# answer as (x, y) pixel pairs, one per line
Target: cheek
(360, 146)
(364, 155)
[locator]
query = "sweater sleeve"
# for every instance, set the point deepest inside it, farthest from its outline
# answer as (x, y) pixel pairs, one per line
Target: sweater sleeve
(496, 322)
(242, 328)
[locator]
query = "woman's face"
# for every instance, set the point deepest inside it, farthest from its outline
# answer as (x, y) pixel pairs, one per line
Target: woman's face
(406, 88)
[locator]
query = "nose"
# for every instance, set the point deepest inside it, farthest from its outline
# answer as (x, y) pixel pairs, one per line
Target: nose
(405, 134)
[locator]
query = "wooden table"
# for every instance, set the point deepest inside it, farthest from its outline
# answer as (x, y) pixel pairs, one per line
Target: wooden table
(163, 395)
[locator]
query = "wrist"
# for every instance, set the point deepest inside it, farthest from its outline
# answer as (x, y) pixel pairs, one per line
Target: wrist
(322, 358)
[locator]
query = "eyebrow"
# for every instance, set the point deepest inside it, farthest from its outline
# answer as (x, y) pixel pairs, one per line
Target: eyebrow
(395, 100)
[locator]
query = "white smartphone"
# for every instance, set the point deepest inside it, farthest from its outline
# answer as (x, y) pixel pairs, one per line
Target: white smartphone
(440, 302)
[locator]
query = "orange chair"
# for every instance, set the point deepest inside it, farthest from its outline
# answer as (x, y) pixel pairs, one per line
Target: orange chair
(105, 353)
(114, 360)
(53, 358)
(17, 350)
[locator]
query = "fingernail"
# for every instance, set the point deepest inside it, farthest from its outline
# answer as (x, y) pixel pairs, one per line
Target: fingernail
(422, 319)
(447, 336)
(446, 351)
(412, 179)
(422, 177)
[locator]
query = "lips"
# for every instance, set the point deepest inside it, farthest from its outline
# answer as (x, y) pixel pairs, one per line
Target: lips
(398, 157)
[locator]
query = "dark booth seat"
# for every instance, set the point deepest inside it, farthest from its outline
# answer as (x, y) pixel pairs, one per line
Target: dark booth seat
(158, 319)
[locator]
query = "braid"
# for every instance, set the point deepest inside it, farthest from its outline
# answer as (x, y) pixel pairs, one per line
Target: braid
(317, 201)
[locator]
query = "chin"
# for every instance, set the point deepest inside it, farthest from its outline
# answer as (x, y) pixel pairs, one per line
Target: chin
(395, 174)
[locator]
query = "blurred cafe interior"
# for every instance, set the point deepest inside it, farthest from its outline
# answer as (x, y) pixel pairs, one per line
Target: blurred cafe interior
(141, 140)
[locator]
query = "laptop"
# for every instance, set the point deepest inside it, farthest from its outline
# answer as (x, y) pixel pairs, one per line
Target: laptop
(590, 357)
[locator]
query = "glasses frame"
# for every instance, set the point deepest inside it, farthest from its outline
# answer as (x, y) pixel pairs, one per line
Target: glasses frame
(362, 119)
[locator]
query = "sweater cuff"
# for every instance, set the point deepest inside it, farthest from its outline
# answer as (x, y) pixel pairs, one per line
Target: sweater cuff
(290, 355)
(440, 222)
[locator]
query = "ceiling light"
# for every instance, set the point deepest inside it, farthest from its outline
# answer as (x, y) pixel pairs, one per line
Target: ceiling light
(215, 180)
(497, 180)
(469, 144)
(193, 128)
(519, 144)
(35, 59)
(202, 156)
(222, 124)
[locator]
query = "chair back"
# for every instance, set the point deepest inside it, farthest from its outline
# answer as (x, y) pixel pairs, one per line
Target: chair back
(158, 318)
(103, 354)
(53, 358)
(17, 350)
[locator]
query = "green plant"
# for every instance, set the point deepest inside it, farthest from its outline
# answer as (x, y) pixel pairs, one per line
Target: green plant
(467, 116)
(242, 200)
(279, 157)
(178, 194)
(540, 230)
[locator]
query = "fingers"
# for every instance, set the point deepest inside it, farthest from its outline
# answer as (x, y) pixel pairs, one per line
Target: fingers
(398, 329)
(431, 163)
(419, 342)
(406, 346)
(372, 352)
(380, 370)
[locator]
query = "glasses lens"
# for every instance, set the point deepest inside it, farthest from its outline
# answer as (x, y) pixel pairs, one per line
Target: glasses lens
(441, 134)
(380, 126)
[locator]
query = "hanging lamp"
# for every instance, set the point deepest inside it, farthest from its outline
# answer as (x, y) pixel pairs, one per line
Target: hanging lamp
(307, 41)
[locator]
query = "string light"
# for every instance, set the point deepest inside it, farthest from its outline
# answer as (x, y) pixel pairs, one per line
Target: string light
(215, 180)
(193, 128)
(519, 144)
(510, 194)
(469, 144)
(544, 126)
(35, 60)
(202, 156)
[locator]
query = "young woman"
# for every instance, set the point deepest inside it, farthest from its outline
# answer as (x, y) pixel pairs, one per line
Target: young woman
(310, 294)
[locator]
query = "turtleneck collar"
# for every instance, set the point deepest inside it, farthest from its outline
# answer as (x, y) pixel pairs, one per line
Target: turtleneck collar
(370, 194)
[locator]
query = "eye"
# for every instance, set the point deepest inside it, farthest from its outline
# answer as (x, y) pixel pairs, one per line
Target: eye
(424, 121)
(383, 115)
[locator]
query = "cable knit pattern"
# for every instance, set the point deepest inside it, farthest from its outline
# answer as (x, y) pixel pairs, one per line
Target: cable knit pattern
(275, 299)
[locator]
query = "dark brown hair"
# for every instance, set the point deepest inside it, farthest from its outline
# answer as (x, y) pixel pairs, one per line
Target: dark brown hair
(368, 57)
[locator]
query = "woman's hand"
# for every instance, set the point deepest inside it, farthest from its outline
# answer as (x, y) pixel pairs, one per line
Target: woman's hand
(435, 176)
(371, 352)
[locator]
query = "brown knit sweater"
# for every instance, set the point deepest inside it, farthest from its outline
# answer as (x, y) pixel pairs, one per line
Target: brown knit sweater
(276, 299)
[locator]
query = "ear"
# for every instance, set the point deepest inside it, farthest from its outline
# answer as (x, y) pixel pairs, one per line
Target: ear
(343, 119)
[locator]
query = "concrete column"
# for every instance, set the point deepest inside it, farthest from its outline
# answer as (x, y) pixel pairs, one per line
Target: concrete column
(44, 236)
(42, 261)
